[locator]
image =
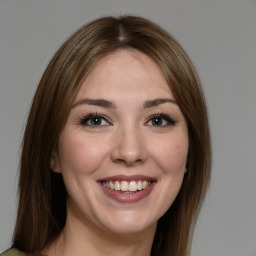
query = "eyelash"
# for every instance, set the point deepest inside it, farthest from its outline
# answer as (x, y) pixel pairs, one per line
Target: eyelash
(169, 121)
(85, 119)
(163, 117)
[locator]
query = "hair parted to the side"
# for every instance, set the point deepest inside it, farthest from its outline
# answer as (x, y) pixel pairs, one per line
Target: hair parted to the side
(42, 203)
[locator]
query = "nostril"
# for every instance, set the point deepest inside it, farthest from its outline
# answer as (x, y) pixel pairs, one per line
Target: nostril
(129, 148)
(129, 161)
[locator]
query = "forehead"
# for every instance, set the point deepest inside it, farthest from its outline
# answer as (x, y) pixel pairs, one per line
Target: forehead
(125, 72)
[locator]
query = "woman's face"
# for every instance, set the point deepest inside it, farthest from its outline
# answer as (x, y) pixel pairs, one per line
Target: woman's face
(123, 150)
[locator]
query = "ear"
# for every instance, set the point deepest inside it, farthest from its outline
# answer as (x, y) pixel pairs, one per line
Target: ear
(54, 163)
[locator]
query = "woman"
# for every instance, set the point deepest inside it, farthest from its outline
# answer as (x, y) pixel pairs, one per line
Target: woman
(116, 152)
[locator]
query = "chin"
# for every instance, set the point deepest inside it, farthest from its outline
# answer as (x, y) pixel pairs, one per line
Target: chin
(131, 229)
(130, 223)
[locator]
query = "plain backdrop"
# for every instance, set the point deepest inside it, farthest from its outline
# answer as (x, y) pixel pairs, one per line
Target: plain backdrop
(220, 37)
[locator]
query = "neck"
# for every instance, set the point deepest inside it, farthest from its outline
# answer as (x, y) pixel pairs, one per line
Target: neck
(80, 239)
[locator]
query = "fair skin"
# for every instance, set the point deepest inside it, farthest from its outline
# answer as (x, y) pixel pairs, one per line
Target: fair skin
(124, 129)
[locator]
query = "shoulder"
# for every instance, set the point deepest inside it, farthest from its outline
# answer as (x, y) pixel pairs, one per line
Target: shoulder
(13, 252)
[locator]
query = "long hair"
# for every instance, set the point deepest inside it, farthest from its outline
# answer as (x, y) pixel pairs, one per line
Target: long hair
(42, 195)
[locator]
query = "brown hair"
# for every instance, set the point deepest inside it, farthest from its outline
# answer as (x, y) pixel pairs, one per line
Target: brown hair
(42, 203)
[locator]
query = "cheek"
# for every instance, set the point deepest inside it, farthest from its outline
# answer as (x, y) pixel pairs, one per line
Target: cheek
(80, 155)
(171, 154)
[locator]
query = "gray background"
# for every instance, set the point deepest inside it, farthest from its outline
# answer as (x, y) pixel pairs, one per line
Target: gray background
(220, 37)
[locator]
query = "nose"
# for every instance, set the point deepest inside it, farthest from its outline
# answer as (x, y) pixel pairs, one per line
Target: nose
(129, 147)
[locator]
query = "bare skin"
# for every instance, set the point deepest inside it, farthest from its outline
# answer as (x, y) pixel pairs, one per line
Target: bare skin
(99, 243)
(124, 121)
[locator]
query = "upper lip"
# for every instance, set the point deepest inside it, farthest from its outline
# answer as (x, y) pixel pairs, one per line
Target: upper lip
(127, 178)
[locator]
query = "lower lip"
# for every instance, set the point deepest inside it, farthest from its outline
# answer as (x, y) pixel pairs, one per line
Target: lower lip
(122, 197)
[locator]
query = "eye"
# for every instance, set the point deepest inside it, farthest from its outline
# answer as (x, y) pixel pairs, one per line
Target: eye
(160, 120)
(94, 120)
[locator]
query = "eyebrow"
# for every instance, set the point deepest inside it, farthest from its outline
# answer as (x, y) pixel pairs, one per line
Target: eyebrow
(157, 102)
(108, 104)
(96, 102)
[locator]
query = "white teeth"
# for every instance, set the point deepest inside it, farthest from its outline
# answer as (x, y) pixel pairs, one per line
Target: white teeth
(144, 184)
(139, 185)
(117, 186)
(132, 186)
(112, 185)
(126, 186)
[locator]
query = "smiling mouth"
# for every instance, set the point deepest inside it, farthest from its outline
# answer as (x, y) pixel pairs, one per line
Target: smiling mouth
(127, 187)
